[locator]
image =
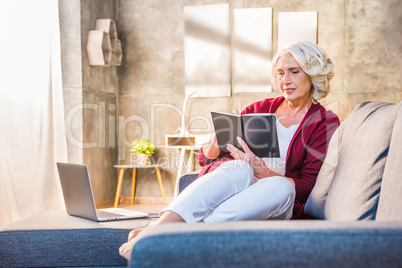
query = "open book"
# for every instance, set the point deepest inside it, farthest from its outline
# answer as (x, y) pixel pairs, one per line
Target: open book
(257, 130)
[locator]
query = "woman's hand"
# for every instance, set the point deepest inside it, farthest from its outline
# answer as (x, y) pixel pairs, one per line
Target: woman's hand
(211, 148)
(260, 168)
(258, 164)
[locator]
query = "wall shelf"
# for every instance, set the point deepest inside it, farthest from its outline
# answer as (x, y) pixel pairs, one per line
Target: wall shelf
(103, 45)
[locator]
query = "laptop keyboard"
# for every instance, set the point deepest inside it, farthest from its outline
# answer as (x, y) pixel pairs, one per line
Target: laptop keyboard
(107, 215)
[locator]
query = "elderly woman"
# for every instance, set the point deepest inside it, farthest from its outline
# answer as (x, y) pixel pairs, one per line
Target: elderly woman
(242, 186)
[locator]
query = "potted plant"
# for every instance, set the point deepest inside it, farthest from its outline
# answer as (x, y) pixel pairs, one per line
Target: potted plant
(145, 149)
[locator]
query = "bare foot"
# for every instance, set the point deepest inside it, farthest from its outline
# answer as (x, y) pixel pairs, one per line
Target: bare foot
(136, 232)
(126, 249)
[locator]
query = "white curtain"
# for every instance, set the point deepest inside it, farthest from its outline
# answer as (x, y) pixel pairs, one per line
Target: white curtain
(31, 108)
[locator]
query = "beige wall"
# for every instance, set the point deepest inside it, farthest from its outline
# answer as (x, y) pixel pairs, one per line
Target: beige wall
(90, 95)
(363, 38)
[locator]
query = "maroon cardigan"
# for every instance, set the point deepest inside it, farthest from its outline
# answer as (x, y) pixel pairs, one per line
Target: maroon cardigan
(306, 152)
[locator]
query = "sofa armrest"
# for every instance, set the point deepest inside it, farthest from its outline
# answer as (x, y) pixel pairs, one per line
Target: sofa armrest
(186, 179)
(271, 244)
(55, 239)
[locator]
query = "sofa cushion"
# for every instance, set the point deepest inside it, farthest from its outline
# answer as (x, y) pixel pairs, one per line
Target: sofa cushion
(270, 244)
(389, 208)
(315, 203)
(348, 185)
(55, 239)
(186, 179)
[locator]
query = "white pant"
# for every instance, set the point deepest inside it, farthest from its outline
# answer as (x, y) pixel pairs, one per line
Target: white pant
(228, 194)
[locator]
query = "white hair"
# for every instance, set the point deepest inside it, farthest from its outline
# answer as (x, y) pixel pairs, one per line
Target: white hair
(314, 61)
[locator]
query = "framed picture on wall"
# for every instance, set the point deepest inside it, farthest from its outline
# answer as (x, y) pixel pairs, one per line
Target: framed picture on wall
(252, 50)
(207, 50)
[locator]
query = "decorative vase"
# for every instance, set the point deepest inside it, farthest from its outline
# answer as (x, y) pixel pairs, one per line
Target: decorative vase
(144, 159)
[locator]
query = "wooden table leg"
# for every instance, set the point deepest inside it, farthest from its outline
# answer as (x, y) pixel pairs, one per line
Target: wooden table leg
(133, 187)
(118, 190)
(158, 174)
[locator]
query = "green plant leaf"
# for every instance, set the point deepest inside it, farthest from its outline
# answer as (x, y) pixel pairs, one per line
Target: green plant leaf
(143, 146)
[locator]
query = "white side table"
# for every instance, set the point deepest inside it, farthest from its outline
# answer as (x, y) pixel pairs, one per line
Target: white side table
(191, 143)
(182, 161)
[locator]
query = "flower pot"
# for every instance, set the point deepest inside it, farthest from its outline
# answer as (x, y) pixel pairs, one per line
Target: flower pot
(144, 159)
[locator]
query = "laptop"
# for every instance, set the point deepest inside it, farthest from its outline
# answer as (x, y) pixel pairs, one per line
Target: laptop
(79, 199)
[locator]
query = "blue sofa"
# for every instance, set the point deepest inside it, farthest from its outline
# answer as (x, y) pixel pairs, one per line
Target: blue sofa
(354, 204)
(358, 219)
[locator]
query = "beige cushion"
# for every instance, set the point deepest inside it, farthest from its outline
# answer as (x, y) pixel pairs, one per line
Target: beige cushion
(349, 182)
